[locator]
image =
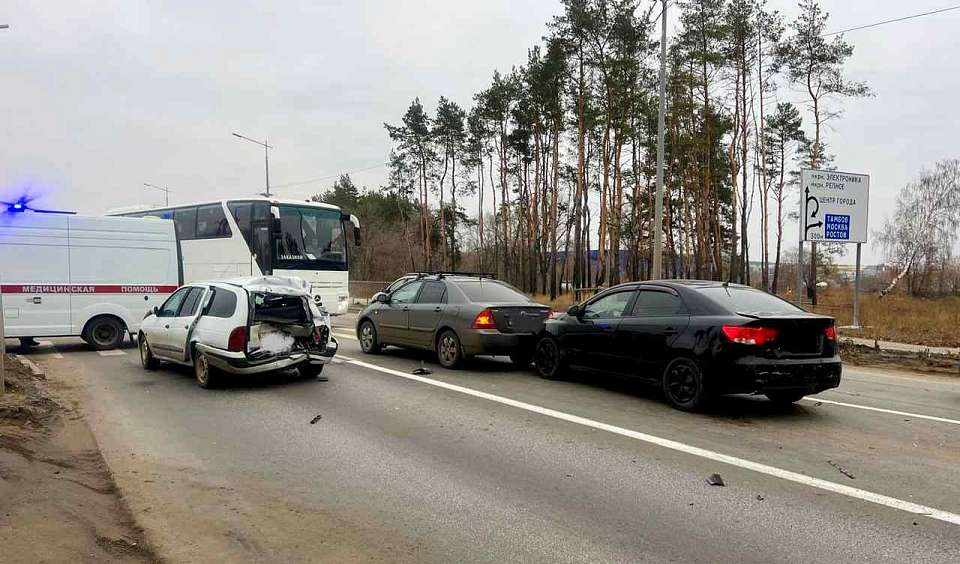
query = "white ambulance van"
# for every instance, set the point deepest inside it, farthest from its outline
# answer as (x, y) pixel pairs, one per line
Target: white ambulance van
(93, 277)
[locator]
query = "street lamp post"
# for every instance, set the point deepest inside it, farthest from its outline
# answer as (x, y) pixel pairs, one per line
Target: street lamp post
(3, 335)
(266, 157)
(166, 192)
(658, 207)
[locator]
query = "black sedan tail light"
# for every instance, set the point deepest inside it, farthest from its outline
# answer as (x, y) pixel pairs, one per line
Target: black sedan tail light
(756, 336)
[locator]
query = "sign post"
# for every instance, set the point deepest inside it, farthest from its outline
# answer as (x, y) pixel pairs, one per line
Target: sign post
(833, 209)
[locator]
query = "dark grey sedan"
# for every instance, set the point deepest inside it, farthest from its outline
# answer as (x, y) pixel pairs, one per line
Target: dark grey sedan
(457, 316)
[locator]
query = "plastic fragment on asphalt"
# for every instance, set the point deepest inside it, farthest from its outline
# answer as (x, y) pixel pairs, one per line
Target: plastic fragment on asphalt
(841, 469)
(715, 480)
(315, 419)
(422, 371)
(760, 497)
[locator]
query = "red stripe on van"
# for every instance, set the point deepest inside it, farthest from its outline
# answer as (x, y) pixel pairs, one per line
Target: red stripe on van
(87, 288)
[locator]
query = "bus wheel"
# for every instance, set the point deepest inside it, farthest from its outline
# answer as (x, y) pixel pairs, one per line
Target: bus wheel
(103, 333)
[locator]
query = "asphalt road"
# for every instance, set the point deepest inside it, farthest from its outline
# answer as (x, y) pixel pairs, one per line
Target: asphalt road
(492, 464)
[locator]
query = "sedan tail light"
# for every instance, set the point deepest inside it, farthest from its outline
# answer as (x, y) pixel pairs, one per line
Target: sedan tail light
(237, 342)
(485, 320)
(750, 335)
(831, 332)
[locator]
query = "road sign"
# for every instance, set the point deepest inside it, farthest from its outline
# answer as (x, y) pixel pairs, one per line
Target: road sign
(834, 206)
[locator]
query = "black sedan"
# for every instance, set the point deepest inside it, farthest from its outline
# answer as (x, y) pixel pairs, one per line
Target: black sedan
(696, 340)
(455, 315)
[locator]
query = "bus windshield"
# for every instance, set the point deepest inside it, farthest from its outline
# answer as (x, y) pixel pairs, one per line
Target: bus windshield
(310, 239)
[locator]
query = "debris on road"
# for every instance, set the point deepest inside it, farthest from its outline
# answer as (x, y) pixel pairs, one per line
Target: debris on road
(760, 497)
(841, 469)
(715, 480)
(315, 419)
(422, 371)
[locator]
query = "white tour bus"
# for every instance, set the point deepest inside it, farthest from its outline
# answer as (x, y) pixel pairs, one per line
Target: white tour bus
(67, 275)
(263, 236)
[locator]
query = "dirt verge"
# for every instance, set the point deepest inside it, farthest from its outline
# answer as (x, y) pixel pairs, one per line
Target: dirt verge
(927, 363)
(58, 501)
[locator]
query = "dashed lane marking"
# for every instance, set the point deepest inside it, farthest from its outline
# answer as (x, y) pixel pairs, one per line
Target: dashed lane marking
(677, 446)
(881, 410)
(114, 352)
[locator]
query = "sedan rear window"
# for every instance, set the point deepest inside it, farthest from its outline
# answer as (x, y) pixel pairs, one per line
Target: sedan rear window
(748, 300)
(490, 291)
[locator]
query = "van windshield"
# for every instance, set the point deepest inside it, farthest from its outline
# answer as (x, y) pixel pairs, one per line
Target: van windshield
(310, 239)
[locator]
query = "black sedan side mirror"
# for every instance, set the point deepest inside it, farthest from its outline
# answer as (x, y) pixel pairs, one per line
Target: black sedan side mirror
(381, 297)
(574, 311)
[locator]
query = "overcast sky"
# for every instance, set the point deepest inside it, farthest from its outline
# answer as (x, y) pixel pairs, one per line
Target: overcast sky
(100, 96)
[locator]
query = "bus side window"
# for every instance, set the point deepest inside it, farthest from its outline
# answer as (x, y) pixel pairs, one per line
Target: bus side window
(185, 220)
(211, 223)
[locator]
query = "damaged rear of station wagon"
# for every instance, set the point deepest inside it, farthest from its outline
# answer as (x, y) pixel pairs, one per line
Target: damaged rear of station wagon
(242, 326)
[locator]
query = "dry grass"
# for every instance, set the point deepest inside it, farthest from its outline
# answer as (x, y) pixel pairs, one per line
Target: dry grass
(900, 318)
(922, 321)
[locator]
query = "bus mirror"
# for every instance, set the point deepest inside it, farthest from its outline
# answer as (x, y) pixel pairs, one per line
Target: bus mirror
(275, 226)
(356, 227)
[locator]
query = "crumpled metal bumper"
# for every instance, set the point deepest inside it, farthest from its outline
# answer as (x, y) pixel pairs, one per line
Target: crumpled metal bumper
(239, 363)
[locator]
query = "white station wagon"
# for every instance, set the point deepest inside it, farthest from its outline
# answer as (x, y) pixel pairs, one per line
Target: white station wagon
(241, 326)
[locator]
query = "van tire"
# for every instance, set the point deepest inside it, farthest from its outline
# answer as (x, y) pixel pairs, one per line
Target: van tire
(147, 360)
(207, 375)
(104, 333)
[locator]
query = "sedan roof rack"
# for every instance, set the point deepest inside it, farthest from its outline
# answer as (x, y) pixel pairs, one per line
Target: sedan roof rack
(443, 273)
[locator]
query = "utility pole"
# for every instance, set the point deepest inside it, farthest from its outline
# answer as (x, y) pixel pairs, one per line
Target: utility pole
(266, 157)
(661, 127)
(3, 335)
(165, 190)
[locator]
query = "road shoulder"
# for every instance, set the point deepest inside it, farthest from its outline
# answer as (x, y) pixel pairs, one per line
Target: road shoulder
(58, 500)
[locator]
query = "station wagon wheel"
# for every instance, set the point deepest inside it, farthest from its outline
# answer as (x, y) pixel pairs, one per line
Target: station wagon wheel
(368, 338)
(547, 359)
(206, 375)
(147, 360)
(448, 349)
(683, 385)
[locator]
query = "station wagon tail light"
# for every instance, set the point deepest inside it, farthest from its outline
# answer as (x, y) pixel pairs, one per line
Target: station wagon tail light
(238, 339)
(484, 320)
(750, 335)
(831, 332)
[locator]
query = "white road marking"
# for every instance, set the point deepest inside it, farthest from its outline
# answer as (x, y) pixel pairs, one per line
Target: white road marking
(817, 399)
(788, 475)
(114, 352)
(881, 410)
(52, 352)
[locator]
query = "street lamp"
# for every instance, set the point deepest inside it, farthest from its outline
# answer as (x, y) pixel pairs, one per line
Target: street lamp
(658, 206)
(266, 157)
(3, 335)
(166, 192)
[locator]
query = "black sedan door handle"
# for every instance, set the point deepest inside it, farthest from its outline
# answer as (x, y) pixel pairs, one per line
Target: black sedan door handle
(405, 308)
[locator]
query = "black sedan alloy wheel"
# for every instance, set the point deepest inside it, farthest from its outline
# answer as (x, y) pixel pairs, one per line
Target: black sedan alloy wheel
(547, 360)
(683, 385)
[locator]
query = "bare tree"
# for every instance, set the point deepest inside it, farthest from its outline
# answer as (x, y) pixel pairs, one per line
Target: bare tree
(923, 229)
